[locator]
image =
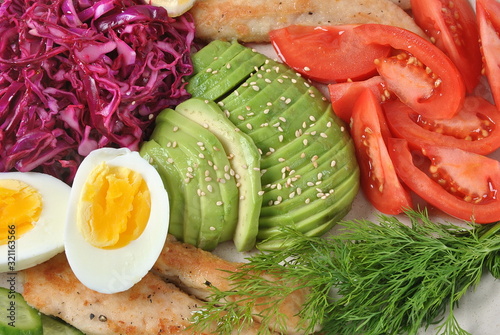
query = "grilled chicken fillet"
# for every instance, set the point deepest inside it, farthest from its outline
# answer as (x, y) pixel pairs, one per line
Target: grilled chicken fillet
(150, 307)
(195, 270)
(251, 21)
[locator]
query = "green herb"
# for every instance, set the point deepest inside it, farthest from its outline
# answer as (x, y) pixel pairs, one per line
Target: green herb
(372, 278)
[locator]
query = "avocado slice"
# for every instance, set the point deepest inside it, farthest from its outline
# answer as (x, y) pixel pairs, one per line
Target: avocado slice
(209, 54)
(323, 192)
(318, 143)
(245, 161)
(158, 157)
(256, 95)
(211, 199)
(223, 76)
(210, 59)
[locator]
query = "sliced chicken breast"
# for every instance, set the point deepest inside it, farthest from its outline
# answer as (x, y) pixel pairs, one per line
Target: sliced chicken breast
(251, 21)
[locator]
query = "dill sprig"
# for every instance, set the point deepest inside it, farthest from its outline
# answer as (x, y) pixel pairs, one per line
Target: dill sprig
(373, 278)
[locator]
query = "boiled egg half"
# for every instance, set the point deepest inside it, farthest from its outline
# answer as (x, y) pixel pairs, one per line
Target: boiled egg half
(117, 221)
(32, 218)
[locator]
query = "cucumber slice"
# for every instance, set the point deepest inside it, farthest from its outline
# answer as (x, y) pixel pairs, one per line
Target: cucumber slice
(53, 326)
(17, 317)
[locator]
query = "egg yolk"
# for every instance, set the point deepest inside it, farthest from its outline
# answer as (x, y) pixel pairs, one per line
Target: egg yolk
(114, 207)
(20, 209)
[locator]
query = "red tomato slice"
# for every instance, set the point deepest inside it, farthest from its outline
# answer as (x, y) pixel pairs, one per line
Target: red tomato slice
(328, 53)
(488, 17)
(379, 181)
(462, 184)
(476, 128)
(451, 25)
(343, 95)
(422, 76)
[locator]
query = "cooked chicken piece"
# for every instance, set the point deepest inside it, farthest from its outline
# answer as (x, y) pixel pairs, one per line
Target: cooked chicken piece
(195, 270)
(251, 21)
(148, 308)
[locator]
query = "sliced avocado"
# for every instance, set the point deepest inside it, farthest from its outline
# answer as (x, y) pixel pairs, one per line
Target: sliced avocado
(317, 143)
(211, 204)
(256, 95)
(172, 179)
(288, 125)
(228, 76)
(310, 134)
(245, 161)
(295, 130)
(209, 60)
(311, 176)
(324, 190)
(212, 52)
(316, 213)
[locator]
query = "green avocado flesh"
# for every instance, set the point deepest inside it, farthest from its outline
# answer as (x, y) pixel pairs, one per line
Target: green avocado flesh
(291, 160)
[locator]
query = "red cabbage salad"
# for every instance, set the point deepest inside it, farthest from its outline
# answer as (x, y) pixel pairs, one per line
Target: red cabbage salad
(77, 75)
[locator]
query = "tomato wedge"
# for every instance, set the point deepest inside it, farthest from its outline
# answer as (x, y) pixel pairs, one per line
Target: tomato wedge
(421, 75)
(451, 25)
(476, 128)
(462, 184)
(379, 181)
(344, 95)
(327, 53)
(488, 18)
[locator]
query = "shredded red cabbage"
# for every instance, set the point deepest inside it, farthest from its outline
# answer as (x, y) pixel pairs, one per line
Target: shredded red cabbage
(76, 75)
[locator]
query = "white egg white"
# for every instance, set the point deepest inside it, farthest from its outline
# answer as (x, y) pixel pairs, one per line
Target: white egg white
(46, 238)
(116, 270)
